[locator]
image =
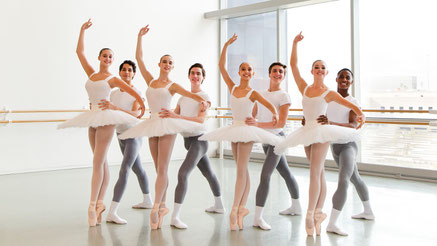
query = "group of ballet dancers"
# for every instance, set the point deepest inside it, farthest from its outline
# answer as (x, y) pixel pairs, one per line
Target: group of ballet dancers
(330, 119)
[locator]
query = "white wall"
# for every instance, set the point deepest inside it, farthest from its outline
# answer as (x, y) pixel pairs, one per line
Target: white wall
(40, 69)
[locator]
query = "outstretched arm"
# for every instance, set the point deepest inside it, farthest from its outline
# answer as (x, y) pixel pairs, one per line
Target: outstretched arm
(116, 82)
(300, 82)
(139, 55)
(105, 104)
(323, 119)
(176, 88)
(334, 96)
(222, 63)
(80, 50)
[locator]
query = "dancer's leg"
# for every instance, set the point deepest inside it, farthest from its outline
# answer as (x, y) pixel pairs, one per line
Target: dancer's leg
(263, 188)
(242, 184)
(103, 136)
(292, 186)
(165, 147)
(129, 148)
(317, 192)
(207, 171)
(361, 187)
(143, 180)
(100, 138)
(196, 149)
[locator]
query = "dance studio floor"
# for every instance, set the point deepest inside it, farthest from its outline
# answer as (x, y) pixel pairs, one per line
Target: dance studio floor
(50, 208)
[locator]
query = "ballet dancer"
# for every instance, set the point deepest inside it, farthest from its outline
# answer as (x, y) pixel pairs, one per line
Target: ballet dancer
(120, 100)
(189, 109)
(101, 123)
(241, 135)
(281, 100)
(344, 155)
(161, 131)
(316, 137)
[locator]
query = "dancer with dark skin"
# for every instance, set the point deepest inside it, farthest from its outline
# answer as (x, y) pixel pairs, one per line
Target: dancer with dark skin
(345, 155)
(314, 136)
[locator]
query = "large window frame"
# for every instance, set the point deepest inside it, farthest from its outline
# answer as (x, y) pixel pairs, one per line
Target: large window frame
(280, 7)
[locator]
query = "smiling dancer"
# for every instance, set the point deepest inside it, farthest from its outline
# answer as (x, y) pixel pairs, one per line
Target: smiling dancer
(241, 135)
(316, 137)
(161, 131)
(281, 100)
(120, 100)
(189, 109)
(101, 123)
(344, 155)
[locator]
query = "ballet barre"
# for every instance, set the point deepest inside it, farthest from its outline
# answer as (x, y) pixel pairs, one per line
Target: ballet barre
(371, 120)
(432, 111)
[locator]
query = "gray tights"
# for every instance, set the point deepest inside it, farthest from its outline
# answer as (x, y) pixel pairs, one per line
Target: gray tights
(271, 162)
(344, 156)
(131, 159)
(196, 156)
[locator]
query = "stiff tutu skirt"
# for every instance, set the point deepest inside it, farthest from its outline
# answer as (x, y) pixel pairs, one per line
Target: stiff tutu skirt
(97, 117)
(314, 132)
(157, 127)
(240, 132)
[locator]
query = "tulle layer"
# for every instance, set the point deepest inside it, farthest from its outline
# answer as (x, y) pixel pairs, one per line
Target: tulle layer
(96, 118)
(313, 132)
(156, 127)
(240, 132)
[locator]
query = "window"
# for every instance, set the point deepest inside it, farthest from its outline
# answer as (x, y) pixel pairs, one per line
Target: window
(326, 30)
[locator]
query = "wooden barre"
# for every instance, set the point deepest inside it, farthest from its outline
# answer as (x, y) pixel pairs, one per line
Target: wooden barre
(228, 117)
(217, 108)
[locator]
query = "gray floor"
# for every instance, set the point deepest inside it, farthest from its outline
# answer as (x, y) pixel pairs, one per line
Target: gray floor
(50, 208)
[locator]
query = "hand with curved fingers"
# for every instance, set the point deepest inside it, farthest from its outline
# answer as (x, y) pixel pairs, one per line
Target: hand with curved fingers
(298, 38)
(87, 24)
(105, 104)
(204, 105)
(275, 119)
(360, 119)
(144, 31)
(250, 121)
(232, 39)
(323, 120)
(166, 113)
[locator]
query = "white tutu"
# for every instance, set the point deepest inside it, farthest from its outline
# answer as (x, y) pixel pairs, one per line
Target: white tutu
(157, 127)
(240, 132)
(97, 117)
(314, 132)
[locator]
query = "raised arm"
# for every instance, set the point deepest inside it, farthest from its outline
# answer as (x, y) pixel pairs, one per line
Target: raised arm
(80, 50)
(300, 82)
(116, 82)
(139, 55)
(258, 97)
(334, 96)
(222, 63)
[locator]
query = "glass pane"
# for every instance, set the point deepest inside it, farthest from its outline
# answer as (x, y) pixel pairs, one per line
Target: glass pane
(326, 28)
(235, 3)
(398, 55)
(257, 45)
(404, 146)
